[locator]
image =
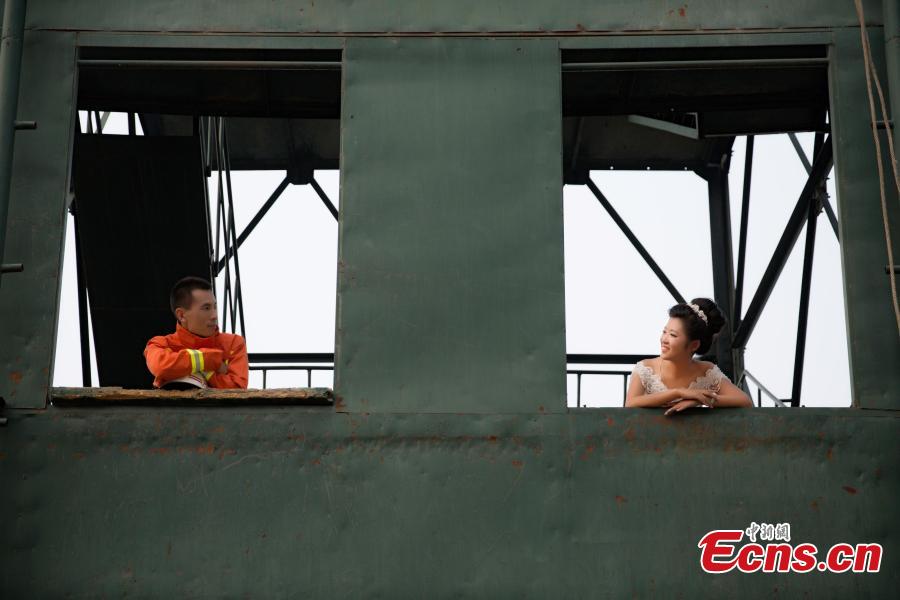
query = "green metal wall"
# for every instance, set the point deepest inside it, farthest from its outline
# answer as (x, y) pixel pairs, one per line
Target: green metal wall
(422, 16)
(438, 501)
(37, 219)
(871, 327)
(269, 503)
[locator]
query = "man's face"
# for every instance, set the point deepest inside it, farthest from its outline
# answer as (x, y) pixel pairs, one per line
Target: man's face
(202, 318)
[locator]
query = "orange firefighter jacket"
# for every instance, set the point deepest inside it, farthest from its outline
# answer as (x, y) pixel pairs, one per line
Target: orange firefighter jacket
(183, 353)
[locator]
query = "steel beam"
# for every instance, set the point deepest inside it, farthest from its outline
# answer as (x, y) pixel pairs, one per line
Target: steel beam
(821, 168)
(722, 263)
(891, 12)
(667, 126)
(237, 65)
(805, 287)
(742, 235)
(693, 64)
(826, 204)
(81, 282)
(800, 152)
(634, 240)
(325, 200)
(605, 359)
(253, 223)
(10, 70)
(238, 292)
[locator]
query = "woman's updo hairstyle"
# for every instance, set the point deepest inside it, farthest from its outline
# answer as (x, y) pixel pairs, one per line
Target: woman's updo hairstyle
(696, 328)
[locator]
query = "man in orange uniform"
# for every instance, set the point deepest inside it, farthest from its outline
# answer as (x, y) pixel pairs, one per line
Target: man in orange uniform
(197, 352)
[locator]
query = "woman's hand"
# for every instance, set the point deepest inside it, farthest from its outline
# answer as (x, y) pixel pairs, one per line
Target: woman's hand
(707, 397)
(681, 405)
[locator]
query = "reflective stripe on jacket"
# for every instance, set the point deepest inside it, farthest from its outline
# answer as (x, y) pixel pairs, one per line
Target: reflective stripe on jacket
(183, 353)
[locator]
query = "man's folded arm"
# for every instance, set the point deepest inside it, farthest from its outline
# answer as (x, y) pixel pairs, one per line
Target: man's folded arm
(238, 368)
(167, 364)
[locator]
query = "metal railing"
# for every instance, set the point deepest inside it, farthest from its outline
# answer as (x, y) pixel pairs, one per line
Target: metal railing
(760, 390)
(580, 372)
(310, 362)
(601, 359)
(265, 362)
(293, 361)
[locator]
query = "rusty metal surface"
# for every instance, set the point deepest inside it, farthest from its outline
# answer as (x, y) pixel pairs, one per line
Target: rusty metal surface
(37, 218)
(874, 347)
(418, 16)
(307, 502)
(450, 262)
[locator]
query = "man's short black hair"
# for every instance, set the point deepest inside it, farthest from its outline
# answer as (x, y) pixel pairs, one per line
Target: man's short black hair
(182, 292)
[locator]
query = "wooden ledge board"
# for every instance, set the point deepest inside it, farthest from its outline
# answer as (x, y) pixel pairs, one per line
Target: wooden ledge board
(116, 396)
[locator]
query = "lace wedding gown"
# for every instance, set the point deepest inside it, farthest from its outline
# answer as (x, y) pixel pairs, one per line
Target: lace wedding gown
(652, 382)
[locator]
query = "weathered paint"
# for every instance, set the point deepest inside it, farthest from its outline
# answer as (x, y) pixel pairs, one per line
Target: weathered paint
(294, 502)
(37, 218)
(424, 16)
(871, 327)
(269, 502)
(450, 267)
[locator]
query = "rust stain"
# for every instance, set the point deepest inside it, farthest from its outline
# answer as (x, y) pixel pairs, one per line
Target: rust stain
(541, 408)
(159, 451)
(15, 377)
(814, 505)
(492, 439)
(849, 489)
(620, 500)
(79, 455)
(338, 403)
(296, 438)
(629, 434)
(518, 464)
(219, 429)
(610, 422)
(681, 11)
(226, 452)
(316, 462)
(588, 450)
(126, 449)
(2, 455)
(830, 454)
(207, 449)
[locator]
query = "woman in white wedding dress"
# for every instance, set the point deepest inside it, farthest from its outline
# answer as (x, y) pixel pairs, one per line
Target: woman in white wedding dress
(675, 380)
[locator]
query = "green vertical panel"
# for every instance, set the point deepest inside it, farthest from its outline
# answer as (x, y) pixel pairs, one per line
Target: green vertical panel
(37, 219)
(450, 290)
(872, 328)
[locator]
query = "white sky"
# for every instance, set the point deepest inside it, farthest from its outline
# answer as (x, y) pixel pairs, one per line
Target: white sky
(614, 302)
